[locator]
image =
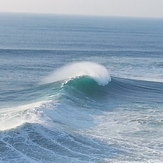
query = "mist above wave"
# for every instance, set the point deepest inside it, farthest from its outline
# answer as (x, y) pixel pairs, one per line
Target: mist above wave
(96, 71)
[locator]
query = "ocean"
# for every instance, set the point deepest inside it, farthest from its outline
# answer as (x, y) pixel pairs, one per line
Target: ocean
(80, 89)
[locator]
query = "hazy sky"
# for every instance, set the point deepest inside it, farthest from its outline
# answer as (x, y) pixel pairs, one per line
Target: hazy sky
(137, 8)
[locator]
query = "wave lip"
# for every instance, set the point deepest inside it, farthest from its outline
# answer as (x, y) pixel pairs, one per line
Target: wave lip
(74, 70)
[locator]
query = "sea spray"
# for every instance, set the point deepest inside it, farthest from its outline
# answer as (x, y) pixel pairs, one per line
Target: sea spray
(96, 71)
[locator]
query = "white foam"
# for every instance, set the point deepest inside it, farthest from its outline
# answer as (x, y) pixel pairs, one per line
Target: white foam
(96, 71)
(17, 116)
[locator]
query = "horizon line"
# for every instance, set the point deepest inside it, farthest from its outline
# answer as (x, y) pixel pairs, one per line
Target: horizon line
(82, 15)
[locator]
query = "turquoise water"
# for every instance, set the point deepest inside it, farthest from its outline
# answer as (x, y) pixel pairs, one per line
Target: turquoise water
(80, 89)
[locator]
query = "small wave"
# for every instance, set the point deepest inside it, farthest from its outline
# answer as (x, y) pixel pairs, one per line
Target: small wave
(74, 70)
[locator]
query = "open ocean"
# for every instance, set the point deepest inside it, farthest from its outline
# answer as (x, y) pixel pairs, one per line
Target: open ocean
(77, 89)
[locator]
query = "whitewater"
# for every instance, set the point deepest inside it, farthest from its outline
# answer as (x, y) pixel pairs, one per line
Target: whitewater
(80, 89)
(98, 72)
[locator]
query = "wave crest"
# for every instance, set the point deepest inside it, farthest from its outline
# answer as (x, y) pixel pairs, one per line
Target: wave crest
(74, 70)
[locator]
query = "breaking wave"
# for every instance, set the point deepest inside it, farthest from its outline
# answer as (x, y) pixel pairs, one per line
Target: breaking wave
(65, 110)
(74, 70)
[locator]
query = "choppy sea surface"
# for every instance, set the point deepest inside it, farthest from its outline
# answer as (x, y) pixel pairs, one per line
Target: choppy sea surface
(80, 89)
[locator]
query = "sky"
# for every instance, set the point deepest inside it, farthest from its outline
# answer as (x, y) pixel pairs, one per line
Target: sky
(132, 8)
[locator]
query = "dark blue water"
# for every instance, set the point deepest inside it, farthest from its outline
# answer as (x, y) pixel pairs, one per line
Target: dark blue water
(80, 89)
